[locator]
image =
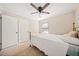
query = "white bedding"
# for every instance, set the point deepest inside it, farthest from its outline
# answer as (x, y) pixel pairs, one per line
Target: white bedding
(50, 44)
(69, 39)
(73, 49)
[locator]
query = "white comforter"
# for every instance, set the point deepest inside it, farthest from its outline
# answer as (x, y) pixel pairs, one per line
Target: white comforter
(73, 49)
(68, 39)
(50, 44)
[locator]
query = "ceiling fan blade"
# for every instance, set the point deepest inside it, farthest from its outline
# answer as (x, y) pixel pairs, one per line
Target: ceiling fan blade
(34, 12)
(45, 12)
(46, 5)
(34, 6)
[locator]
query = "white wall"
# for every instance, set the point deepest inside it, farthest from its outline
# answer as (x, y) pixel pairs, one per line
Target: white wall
(61, 24)
(34, 26)
(77, 17)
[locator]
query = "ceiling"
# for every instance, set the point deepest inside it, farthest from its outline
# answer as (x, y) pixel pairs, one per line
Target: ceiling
(25, 10)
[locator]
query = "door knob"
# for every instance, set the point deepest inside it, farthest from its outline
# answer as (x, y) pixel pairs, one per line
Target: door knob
(16, 32)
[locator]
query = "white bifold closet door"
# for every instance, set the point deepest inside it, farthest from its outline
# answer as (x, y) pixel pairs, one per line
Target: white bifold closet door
(14, 31)
(9, 29)
(23, 30)
(0, 32)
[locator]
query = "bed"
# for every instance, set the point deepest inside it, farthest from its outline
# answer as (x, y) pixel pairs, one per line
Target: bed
(51, 45)
(56, 45)
(73, 49)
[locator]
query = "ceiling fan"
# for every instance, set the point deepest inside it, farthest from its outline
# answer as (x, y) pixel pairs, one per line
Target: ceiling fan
(40, 9)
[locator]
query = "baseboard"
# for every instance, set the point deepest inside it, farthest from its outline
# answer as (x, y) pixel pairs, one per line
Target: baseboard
(9, 47)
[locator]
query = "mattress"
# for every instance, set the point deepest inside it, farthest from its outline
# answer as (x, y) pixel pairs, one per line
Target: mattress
(68, 39)
(73, 49)
(50, 44)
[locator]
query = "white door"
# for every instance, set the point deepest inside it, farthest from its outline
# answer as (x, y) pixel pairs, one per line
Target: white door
(23, 30)
(0, 33)
(9, 29)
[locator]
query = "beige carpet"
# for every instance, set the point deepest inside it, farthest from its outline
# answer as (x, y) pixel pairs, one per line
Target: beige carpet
(22, 49)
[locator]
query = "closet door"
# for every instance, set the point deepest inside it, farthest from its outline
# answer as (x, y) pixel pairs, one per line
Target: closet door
(9, 31)
(23, 30)
(0, 32)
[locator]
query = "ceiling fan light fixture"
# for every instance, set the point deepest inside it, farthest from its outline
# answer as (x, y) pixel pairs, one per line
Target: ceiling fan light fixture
(40, 9)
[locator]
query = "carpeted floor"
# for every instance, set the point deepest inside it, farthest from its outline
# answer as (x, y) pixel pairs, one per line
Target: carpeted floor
(22, 49)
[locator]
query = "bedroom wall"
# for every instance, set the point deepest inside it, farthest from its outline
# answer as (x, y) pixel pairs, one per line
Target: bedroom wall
(61, 24)
(34, 26)
(77, 17)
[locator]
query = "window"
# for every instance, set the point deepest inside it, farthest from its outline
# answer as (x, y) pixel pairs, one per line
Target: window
(43, 27)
